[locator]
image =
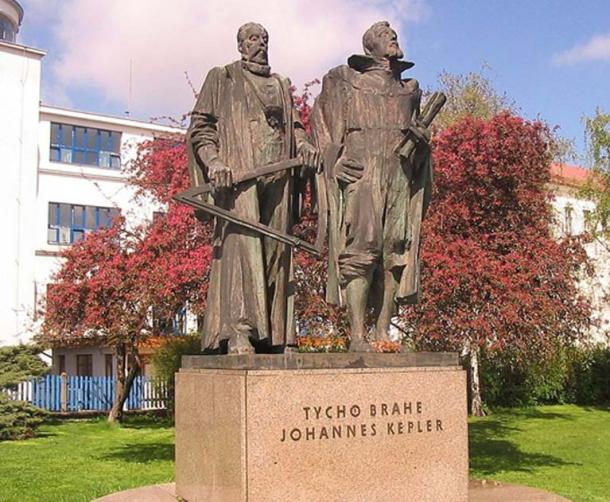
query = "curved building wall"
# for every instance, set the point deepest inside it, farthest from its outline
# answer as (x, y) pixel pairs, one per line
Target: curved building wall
(11, 15)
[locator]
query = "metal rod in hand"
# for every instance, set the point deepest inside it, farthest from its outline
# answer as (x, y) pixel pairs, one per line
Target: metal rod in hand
(257, 227)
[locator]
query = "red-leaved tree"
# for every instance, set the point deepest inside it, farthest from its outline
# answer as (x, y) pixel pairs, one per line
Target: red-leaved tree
(117, 285)
(494, 277)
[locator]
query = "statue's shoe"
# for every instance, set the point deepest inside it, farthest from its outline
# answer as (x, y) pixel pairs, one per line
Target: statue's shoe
(239, 344)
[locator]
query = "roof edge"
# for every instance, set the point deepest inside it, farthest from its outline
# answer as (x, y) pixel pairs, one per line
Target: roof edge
(18, 8)
(127, 122)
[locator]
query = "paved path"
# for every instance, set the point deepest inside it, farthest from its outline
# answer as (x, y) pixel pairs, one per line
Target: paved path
(480, 491)
(152, 493)
(492, 491)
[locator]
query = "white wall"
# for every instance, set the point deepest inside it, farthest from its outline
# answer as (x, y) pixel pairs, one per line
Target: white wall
(19, 103)
(98, 360)
(84, 185)
(30, 181)
(596, 288)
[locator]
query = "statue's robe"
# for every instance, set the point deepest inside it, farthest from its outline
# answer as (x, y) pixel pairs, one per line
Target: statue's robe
(363, 113)
(249, 277)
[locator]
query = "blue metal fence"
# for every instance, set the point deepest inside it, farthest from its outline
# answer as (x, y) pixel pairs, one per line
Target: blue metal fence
(75, 393)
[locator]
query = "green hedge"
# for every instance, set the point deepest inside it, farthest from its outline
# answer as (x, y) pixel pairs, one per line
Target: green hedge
(577, 375)
(588, 376)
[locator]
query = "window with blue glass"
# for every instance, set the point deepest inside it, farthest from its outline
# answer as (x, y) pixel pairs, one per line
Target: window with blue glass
(69, 223)
(85, 145)
(172, 325)
(7, 29)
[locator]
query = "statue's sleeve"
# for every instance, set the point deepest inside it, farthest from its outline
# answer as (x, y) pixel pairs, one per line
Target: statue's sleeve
(328, 130)
(300, 134)
(327, 118)
(202, 135)
(416, 93)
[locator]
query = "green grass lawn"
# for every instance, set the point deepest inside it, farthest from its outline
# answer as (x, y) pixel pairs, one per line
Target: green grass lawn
(563, 449)
(79, 460)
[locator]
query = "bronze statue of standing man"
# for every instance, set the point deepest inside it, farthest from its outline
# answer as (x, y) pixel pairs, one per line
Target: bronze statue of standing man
(244, 119)
(376, 197)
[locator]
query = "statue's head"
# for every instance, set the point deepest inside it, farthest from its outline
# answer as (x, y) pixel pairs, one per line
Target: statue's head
(252, 43)
(380, 40)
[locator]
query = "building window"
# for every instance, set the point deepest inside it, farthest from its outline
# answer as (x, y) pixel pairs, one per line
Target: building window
(7, 29)
(588, 220)
(61, 364)
(84, 365)
(85, 145)
(108, 364)
(179, 322)
(68, 223)
(567, 220)
(158, 216)
(174, 325)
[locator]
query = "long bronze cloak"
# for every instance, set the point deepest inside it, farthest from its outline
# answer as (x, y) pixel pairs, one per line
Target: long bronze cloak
(339, 97)
(239, 291)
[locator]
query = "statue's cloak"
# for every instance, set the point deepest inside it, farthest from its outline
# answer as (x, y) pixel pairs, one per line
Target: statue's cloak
(333, 111)
(239, 294)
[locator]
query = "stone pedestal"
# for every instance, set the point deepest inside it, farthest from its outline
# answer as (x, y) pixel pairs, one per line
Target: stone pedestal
(322, 427)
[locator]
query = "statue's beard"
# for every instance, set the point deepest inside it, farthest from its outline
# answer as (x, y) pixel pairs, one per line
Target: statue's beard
(259, 56)
(394, 52)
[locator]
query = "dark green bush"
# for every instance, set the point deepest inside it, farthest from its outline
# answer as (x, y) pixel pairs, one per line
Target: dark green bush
(509, 379)
(167, 360)
(18, 420)
(570, 375)
(589, 375)
(20, 362)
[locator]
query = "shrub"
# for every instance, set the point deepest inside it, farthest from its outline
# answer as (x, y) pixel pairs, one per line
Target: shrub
(18, 363)
(588, 379)
(577, 374)
(18, 420)
(168, 359)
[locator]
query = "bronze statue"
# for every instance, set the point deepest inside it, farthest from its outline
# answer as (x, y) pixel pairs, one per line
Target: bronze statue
(378, 174)
(244, 119)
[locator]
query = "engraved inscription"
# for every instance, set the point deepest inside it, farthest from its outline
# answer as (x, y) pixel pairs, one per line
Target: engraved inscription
(354, 420)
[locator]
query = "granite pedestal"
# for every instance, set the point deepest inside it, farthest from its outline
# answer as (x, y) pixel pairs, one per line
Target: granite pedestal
(322, 427)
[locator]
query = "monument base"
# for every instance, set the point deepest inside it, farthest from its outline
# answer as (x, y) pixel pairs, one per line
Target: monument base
(322, 427)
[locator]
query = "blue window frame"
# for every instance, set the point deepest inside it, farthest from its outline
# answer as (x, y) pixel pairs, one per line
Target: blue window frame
(69, 223)
(85, 145)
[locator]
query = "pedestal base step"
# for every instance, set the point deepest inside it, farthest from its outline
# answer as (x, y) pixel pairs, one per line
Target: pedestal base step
(479, 491)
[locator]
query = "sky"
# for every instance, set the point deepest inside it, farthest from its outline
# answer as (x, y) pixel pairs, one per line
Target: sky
(551, 57)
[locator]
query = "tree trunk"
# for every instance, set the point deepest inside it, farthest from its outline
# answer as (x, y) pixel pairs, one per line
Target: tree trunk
(470, 359)
(124, 382)
(476, 403)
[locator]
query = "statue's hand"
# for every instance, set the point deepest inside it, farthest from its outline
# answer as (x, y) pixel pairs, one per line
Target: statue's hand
(310, 157)
(348, 170)
(220, 175)
(424, 135)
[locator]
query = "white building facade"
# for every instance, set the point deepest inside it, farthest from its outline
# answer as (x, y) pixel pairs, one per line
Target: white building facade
(62, 178)
(573, 215)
